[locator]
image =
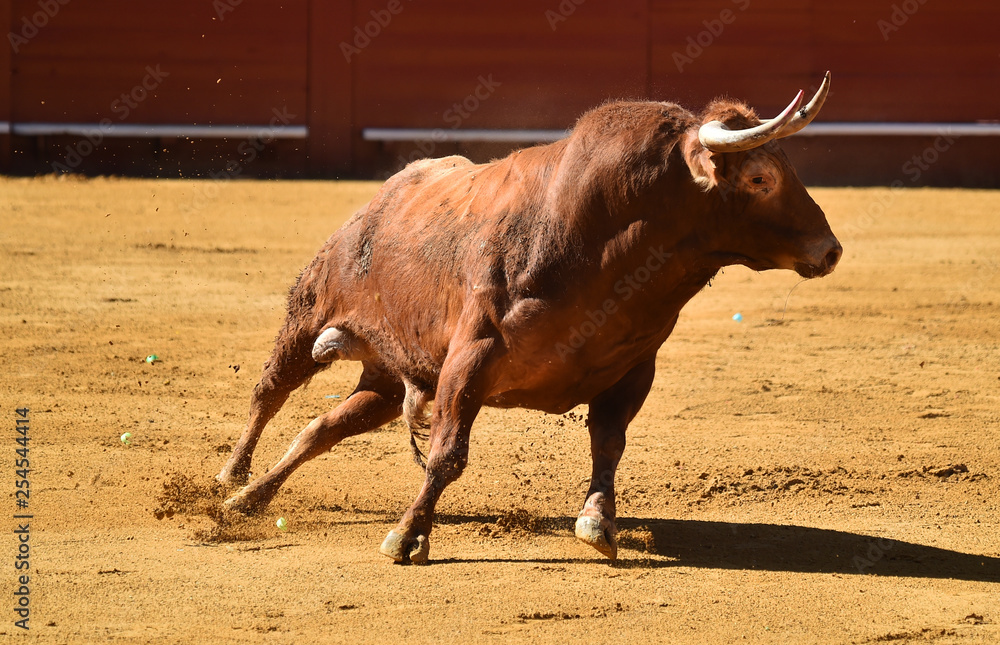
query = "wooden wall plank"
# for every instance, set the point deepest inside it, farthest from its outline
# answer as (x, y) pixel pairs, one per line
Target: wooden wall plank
(219, 67)
(331, 89)
(940, 64)
(531, 69)
(6, 27)
(732, 47)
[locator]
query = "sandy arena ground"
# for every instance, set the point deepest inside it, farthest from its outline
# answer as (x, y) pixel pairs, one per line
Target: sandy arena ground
(826, 472)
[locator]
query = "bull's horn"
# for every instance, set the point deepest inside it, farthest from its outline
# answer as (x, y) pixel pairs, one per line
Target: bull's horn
(808, 111)
(715, 136)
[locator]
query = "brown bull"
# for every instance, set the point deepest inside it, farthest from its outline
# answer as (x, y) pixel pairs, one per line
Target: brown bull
(544, 280)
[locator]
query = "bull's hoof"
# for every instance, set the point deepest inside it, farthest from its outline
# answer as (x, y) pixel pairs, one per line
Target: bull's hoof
(404, 550)
(243, 502)
(590, 531)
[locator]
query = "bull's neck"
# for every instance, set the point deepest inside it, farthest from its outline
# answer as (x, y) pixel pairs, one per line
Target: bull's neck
(664, 224)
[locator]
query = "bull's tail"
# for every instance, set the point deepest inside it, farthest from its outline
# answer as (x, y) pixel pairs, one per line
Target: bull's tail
(416, 411)
(418, 456)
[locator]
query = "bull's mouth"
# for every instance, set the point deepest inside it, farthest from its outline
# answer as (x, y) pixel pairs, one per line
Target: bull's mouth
(728, 259)
(805, 269)
(810, 270)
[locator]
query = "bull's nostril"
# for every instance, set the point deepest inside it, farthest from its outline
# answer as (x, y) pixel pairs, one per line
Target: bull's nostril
(833, 257)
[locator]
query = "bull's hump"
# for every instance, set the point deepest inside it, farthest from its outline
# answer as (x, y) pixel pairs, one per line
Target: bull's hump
(426, 171)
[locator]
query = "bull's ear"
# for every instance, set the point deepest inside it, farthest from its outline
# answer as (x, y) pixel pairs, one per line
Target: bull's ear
(701, 161)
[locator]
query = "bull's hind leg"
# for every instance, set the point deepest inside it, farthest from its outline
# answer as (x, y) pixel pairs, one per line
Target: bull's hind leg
(291, 364)
(610, 413)
(462, 389)
(377, 400)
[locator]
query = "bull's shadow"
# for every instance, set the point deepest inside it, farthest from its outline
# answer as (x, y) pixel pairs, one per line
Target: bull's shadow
(658, 543)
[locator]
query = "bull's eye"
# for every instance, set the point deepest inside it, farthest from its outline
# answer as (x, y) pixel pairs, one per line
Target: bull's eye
(758, 180)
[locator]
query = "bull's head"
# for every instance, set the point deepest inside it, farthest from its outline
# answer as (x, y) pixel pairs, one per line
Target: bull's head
(767, 220)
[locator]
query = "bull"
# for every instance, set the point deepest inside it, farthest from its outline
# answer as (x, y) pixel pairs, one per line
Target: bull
(544, 280)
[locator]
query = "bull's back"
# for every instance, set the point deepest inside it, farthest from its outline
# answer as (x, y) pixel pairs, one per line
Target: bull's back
(403, 270)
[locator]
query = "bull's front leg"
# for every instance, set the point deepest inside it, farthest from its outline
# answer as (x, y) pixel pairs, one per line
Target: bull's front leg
(462, 389)
(610, 413)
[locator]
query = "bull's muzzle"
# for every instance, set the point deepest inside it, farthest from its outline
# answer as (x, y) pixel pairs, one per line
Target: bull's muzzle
(827, 259)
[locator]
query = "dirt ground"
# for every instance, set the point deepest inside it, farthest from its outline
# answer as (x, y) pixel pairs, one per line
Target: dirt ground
(826, 470)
